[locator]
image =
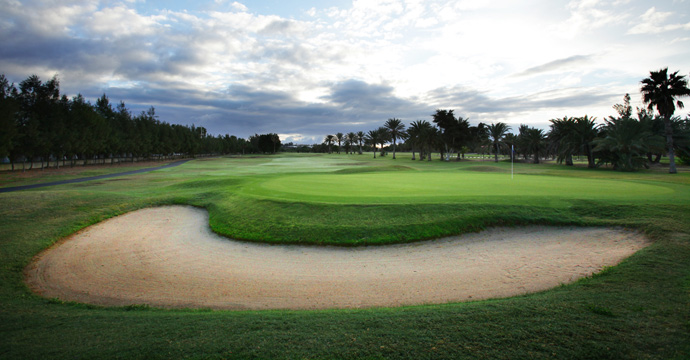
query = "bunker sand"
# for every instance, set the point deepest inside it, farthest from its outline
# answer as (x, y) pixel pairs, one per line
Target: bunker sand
(168, 257)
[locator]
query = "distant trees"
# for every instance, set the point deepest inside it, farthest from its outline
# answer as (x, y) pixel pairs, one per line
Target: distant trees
(329, 141)
(373, 138)
(534, 142)
(497, 132)
(454, 132)
(266, 143)
(37, 123)
(350, 139)
(660, 90)
(339, 138)
(396, 130)
(625, 142)
(360, 140)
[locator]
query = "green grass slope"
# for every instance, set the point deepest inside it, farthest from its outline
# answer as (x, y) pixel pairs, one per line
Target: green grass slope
(639, 309)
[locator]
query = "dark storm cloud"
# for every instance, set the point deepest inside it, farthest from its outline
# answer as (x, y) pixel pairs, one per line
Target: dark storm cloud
(356, 94)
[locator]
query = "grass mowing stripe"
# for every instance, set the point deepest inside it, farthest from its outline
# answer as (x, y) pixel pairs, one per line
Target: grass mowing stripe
(639, 309)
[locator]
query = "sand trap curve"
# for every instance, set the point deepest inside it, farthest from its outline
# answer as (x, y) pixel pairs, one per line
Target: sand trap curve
(168, 257)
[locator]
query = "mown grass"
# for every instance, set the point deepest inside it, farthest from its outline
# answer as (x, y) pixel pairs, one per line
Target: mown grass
(638, 309)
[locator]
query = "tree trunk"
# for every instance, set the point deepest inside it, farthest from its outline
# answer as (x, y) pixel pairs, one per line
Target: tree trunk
(569, 160)
(393, 149)
(413, 154)
(669, 143)
(496, 155)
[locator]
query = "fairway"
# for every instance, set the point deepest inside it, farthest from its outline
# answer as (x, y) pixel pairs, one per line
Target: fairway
(331, 223)
(446, 187)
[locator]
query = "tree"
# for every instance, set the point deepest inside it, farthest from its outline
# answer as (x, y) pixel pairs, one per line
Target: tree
(373, 137)
(562, 139)
(414, 135)
(384, 137)
(396, 130)
(533, 140)
(660, 90)
(350, 139)
(656, 126)
(453, 131)
(496, 132)
(329, 141)
(339, 138)
(625, 142)
(275, 140)
(360, 139)
(428, 137)
(8, 110)
(586, 131)
(510, 140)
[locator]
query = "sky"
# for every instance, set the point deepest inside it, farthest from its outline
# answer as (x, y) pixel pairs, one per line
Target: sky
(305, 69)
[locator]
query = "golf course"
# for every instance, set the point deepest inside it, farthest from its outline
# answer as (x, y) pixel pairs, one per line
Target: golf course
(302, 256)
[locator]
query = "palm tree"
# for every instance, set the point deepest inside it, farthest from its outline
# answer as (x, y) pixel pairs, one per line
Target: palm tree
(396, 130)
(626, 142)
(656, 126)
(421, 135)
(413, 135)
(660, 90)
(562, 139)
(360, 139)
(586, 131)
(510, 140)
(533, 139)
(496, 133)
(329, 141)
(384, 136)
(339, 139)
(351, 139)
(372, 137)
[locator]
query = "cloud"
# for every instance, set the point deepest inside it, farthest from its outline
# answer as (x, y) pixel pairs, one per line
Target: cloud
(239, 6)
(557, 65)
(326, 70)
(655, 22)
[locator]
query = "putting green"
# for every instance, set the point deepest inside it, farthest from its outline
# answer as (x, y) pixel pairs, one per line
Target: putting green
(418, 187)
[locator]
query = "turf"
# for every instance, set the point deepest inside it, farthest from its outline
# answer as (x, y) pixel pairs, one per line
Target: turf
(639, 309)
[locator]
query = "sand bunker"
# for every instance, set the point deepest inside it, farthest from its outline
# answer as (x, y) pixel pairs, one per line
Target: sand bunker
(168, 257)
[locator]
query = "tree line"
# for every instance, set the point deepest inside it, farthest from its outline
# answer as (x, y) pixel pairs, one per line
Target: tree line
(627, 141)
(37, 123)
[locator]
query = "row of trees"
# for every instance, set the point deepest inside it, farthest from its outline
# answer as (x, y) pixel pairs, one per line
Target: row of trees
(38, 123)
(624, 141)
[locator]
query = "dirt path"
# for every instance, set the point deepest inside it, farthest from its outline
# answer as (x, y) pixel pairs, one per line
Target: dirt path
(168, 257)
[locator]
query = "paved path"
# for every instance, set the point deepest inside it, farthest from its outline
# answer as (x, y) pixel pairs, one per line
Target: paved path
(99, 177)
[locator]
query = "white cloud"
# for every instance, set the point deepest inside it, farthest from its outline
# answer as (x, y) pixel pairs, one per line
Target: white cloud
(239, 6)
(122, 21)
(655, 22)
(406, 56)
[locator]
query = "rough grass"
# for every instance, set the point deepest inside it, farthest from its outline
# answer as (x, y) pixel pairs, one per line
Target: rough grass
(636, 310)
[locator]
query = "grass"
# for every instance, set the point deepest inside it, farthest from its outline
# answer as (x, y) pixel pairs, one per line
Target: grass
(638, 309)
